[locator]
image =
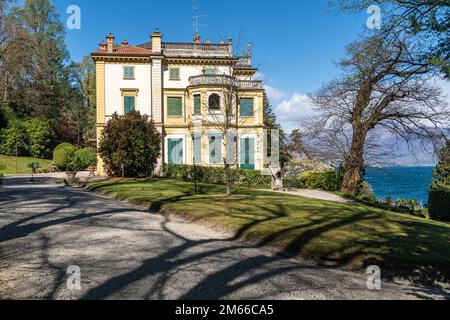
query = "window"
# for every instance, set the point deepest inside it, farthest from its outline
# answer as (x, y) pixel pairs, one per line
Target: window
(214, 102)
(174, 106)
(246, 109)
(174, 73)
(197, 148)
(175, 150)
(197, 105)
(215, 149)
(129, 104)
(210, 71)
(247, 153)
(128, 73)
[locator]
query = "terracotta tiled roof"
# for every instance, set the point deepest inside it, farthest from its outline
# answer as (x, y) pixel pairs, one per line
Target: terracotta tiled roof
(127, 50)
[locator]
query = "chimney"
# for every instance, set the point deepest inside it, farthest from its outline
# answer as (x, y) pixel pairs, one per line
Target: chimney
(103, 46)
(196, 38)
(110, 43)
(156, 41)
(124, 43)
(230, 44)
(249, 54)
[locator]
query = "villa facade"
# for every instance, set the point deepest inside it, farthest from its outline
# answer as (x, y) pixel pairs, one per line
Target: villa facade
(186, 89)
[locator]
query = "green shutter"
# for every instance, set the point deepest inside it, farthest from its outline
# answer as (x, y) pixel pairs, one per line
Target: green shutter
(174, 74)
(128, 72)
(129, 104)
(197, 148)
(197, 105)
(175, 151)
(246, 109)
(247, 154)
(210, 71)
(174, 106)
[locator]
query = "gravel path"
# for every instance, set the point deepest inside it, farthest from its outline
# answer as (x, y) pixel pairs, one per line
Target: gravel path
(317, 194)
(125, 252)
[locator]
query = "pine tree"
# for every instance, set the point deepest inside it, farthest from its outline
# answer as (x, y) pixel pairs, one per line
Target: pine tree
(442, 172)
(270, 122)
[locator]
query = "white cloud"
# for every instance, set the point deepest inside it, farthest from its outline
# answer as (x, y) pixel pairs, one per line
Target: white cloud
(274, 94)
(296, 108)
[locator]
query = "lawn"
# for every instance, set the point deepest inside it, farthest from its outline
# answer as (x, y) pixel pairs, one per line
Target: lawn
(337, 233)
(8, 164)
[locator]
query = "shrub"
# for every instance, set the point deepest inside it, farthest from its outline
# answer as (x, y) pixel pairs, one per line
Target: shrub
(296, 168)
(14, 139)
(366, 193)
(39, 137)
(438, 204)
(63, 156)
(216, 175)
(328, 181)
(410, 204)
(132, 141)
(84, 158)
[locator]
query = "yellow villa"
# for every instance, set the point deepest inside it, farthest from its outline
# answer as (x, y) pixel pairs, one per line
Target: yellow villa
(185, 88)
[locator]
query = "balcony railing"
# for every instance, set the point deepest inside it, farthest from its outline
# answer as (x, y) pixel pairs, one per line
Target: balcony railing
(224, 80)
(207, 49)
(251, 84)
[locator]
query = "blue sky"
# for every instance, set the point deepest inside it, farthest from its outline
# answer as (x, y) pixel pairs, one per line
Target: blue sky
(295, 43)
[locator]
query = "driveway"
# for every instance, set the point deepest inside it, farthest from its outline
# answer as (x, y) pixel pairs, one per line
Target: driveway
(126, 252)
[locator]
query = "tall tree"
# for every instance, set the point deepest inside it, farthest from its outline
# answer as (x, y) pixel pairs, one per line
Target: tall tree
(296, 146)
(442, 172)
(48, 85)
(270, 123)
(83, 106)
(427, 21)
(384, 86)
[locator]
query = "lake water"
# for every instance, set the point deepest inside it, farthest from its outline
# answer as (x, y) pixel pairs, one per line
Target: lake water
(400, 182)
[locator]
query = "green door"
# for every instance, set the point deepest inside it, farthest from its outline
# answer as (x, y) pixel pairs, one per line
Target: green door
(247, 154)
(175, 151)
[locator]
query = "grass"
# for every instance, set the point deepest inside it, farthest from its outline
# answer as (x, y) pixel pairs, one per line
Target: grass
(351, 235)
(8, 164)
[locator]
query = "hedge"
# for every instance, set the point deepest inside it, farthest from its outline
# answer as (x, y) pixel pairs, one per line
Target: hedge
(439, 204)
(328, 181)
(216, 175)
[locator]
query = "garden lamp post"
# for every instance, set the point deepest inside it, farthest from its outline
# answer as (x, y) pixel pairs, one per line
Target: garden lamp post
(33, 167)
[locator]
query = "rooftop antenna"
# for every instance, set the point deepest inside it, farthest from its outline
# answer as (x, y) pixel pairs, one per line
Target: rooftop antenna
(197, 16)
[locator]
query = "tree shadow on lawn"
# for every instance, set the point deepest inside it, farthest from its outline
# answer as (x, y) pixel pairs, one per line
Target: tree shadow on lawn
(415, 253)
(398, 253)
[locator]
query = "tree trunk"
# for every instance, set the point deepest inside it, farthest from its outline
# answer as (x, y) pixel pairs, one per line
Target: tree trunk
(228, 180)
(354, 162)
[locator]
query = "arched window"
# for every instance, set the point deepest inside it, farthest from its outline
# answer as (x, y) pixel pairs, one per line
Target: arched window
(214, 102)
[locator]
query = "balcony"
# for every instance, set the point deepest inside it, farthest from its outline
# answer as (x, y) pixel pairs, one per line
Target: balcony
(224, 80)
(172, 49)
